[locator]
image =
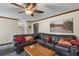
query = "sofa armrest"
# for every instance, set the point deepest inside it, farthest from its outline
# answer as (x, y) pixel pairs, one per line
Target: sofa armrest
(74, 50)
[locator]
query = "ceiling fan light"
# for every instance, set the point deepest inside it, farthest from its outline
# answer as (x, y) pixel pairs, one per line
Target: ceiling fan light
(29, 12)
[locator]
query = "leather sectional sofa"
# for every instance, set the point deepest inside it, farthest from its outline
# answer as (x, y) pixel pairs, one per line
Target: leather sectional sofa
(53, 45)
(19, 46)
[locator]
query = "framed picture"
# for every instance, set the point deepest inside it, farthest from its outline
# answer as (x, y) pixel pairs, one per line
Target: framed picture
(62, 26)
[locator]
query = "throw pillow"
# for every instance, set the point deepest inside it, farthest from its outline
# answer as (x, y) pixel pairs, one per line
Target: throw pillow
(64, 45)
(75, 42)
(20, 39)
(49, 39)
(29, 38)
(67, 39)
(64, 42)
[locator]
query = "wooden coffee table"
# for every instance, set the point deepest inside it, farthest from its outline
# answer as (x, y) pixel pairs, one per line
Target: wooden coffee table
(38, 50)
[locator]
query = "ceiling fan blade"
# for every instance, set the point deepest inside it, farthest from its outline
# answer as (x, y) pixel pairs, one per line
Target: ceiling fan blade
(17, 5)
(26, 4)
(21, 12)
(33, 4)
(38, 11)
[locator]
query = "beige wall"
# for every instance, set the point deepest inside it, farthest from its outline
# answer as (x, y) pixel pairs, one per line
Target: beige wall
(29, 30)
(25, 25)
(44, 25)
(7, 29)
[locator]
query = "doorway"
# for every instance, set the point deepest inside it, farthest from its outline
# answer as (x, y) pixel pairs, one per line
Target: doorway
(35, 28)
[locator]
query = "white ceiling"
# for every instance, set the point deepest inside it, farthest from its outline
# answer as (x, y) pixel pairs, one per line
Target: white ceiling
(50, 9)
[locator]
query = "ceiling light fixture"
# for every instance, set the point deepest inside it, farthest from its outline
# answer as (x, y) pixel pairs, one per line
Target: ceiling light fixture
(29, 10)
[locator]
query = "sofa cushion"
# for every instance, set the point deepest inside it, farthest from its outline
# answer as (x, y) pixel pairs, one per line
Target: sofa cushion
(62, 51)
(49, 44)
(41, 41)
(60, 48)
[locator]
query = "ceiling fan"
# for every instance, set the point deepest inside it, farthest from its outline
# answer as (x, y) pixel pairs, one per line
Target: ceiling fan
(29, 8)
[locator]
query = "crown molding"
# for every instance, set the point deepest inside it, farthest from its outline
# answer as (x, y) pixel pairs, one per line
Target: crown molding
(8, 18)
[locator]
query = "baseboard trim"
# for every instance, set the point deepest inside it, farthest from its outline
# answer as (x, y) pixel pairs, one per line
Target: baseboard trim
(5, 43)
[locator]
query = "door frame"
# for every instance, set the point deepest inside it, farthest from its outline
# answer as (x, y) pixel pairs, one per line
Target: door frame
(36, 25)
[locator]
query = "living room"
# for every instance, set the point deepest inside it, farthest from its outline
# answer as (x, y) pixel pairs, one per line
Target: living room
(43, 28)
